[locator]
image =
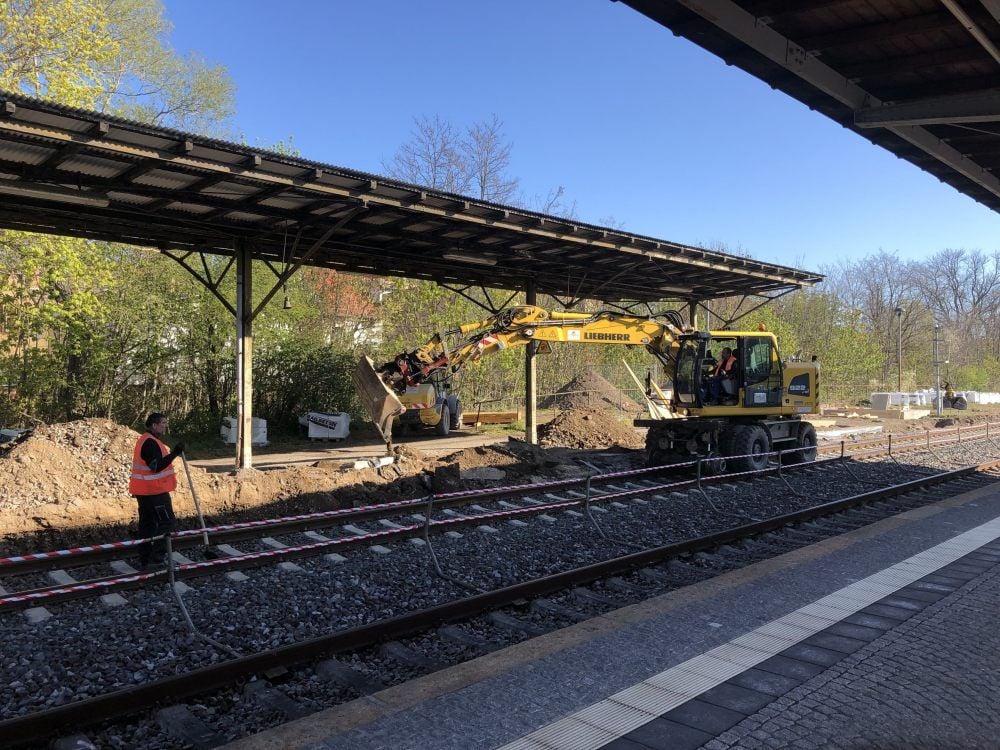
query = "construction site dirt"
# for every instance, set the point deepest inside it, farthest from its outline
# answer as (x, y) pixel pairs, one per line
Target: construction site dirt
(68, 483)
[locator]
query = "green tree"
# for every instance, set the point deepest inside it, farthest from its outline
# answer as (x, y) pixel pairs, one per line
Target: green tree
(59, 302)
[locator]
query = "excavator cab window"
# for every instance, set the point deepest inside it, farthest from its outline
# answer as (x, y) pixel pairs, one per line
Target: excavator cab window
(687, 376)
(761, 372)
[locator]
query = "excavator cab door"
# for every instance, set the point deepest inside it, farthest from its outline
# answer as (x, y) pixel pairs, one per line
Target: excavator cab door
(761, 372)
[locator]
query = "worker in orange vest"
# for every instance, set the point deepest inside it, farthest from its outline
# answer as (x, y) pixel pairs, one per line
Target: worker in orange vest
(723, 371)
(152, 482)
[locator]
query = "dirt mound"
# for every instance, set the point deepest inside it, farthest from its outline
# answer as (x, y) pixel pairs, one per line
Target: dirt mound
(77, 474)
(583, 428)
(60, 464)
(590, 391)
(514, 461)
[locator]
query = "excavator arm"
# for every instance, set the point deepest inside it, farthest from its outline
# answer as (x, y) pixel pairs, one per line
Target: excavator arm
(379, 387)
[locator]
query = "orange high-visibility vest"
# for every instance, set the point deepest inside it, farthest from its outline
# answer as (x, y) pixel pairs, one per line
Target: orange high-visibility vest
(144, 480)
(725, 366)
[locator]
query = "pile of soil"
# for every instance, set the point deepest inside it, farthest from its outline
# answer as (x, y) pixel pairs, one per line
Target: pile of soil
(589, 428)
(590, 391)
(77, 473)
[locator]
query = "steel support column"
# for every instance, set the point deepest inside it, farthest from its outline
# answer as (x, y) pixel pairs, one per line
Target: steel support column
(244, 357)
(530, 384)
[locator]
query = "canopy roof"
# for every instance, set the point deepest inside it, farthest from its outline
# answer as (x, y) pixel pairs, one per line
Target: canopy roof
(80, 173)
(920, 78)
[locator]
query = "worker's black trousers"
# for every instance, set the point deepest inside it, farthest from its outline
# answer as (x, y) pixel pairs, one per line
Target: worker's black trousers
(156, 518)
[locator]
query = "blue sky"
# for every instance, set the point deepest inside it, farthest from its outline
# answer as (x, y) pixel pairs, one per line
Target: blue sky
(637, 125)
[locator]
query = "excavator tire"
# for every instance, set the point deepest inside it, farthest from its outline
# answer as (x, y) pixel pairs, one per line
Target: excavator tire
(959, 403)
(750, 442)
(806, 444)
(456, 417)
(443, 427)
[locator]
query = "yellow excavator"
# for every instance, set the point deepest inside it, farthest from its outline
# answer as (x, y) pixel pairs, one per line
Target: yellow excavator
(732, 415)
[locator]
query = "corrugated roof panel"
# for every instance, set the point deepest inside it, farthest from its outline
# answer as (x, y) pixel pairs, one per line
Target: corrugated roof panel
(366, 221)
(91, 165)
(24, 153)
(163, 178)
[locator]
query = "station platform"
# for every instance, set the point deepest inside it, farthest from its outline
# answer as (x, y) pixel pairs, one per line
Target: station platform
(885, 637)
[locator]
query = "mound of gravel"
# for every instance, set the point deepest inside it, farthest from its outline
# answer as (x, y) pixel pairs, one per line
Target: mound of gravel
(590, 391)
(588, 428)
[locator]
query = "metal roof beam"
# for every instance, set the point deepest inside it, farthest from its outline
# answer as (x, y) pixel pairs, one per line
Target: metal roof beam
(876, 32)
(980, 106)
(782, 8)
(993, 7)
(972, 27)
(923, 61)
(741, 25)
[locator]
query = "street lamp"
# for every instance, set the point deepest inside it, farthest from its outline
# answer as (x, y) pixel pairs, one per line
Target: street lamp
(899, 349)
(937, 368)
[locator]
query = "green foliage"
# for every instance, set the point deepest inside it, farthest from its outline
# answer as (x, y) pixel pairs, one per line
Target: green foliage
(303, 376)
(976, 377)
(109, 55)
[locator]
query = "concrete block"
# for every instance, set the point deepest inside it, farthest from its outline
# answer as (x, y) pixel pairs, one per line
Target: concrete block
(113, 600)
(289, 567)
(61, 578)
(378, 549)
(122, 567)
(334, 558)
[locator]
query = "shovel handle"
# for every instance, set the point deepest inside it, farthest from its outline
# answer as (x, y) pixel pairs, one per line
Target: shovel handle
(197, 505)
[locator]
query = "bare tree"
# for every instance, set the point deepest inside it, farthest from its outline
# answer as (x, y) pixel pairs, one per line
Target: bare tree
(433, 157)
(487, 159)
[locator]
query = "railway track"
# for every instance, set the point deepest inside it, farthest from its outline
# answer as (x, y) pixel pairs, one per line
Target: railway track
(394, 522)
(624, 575)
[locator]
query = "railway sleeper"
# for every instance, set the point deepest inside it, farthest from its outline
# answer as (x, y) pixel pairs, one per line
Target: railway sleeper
(548, 607)
(403, 654)
(516, 625)
(346, 676)
(468, 639)
(621, 586)
(270, 698)
(181, 724)
(586, 596)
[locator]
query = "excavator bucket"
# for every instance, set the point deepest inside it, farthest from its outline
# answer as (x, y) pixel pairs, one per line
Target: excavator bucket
(381, 403)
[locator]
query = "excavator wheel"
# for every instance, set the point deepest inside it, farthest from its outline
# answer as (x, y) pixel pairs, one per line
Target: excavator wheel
(443, 427)
(806, 444)
(751, 444)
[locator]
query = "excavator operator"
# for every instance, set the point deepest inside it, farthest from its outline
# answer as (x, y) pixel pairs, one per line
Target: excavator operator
(723, 371)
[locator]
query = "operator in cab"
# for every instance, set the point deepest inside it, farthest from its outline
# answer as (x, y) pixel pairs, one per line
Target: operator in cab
(724, 370)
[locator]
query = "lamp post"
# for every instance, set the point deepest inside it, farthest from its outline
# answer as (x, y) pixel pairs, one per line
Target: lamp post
(937, 369)
(899, 349)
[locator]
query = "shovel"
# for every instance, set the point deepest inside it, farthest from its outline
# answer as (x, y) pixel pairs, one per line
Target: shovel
(209, 553)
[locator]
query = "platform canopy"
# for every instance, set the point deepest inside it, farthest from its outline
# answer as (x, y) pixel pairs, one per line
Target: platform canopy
(73, 172)
(921, 78)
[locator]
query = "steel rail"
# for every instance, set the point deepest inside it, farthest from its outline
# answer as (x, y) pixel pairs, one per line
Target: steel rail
(101, 708)
(240, 531)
